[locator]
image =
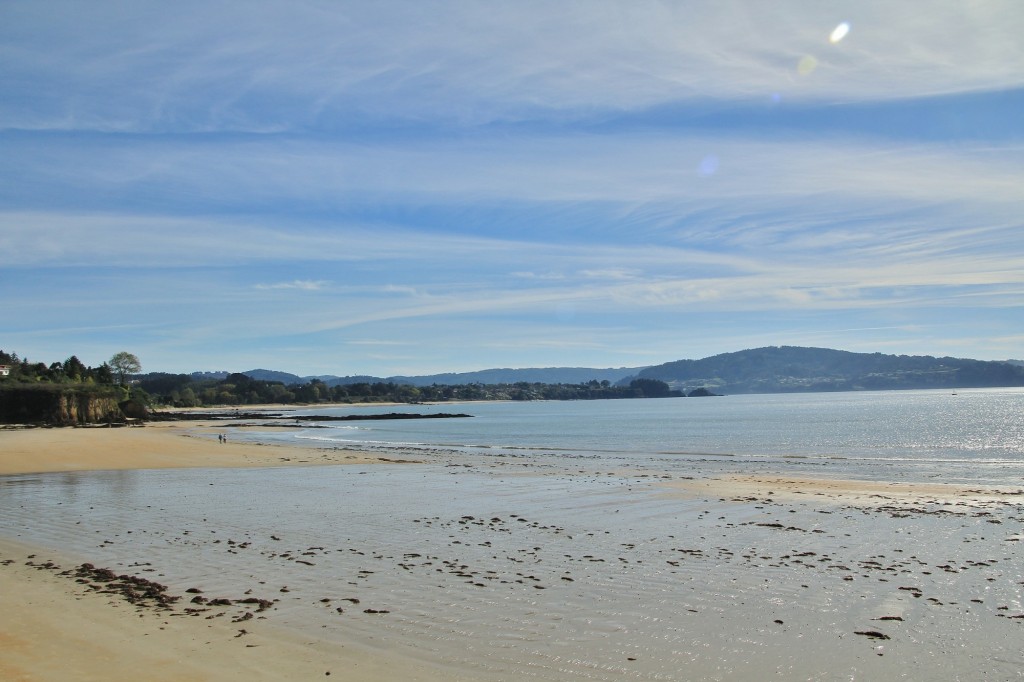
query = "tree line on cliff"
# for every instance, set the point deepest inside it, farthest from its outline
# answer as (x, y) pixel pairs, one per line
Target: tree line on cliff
(182, 390)
(33, 381)
(68, 392)
(70, 371)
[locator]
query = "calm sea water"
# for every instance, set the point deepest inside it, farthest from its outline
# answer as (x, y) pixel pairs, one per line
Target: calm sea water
(967, 435)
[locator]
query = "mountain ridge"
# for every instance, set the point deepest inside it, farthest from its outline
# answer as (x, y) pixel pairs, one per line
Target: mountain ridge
(782, 369)
(769, 369)
(544, 375)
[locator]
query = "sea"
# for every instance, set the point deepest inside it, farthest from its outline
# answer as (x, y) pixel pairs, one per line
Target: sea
(558, 541)
(965, 436)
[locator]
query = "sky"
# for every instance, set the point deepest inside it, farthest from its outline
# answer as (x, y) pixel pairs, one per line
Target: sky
(415, 187)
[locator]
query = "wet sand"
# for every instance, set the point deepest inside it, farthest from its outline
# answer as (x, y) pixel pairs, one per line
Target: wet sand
(852, 492)
(492, 568)
(55, 628)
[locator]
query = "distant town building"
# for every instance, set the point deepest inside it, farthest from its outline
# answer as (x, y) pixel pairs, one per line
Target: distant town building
(5, 370)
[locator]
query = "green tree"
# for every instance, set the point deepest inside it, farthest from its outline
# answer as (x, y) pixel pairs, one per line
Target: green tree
(74, 369)
(124, 363)
(650, 388)
(103, 374)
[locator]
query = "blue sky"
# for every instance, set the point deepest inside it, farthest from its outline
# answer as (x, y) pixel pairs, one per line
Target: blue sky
(388, 188)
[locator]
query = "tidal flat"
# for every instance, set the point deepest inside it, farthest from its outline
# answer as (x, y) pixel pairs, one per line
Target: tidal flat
(558, 568)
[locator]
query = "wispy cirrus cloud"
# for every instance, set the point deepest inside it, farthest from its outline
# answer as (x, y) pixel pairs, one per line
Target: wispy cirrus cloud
(299, 284)
(580, 180)
(146, 67)
(638, 172)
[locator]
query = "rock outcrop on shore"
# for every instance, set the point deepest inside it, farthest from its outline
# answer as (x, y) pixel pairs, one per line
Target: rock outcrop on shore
(56, 405)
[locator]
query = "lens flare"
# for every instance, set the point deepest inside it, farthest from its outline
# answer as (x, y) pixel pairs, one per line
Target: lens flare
(839, 32)
(708, 166)
(806, 65)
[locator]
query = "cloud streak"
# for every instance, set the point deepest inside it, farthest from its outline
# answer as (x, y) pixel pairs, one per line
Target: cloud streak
(148, 67)
(301, 285)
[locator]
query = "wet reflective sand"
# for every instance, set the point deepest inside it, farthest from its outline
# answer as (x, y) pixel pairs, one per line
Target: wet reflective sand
(538, 568)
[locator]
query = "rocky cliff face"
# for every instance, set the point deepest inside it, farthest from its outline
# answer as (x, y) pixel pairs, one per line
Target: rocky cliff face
(85, 409)
(65, 407)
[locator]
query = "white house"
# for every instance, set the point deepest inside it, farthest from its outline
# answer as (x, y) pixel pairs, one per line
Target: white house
(5, 370)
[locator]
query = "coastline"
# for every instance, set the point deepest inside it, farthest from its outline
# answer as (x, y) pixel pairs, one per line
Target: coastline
(57, 628)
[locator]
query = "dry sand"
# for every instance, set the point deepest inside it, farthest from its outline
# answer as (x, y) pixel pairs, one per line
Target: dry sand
(161, 445)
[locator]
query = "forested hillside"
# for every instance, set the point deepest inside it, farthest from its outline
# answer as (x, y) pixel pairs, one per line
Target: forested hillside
(530, 375)
(65, 391)
(183, 390)
(777, 369)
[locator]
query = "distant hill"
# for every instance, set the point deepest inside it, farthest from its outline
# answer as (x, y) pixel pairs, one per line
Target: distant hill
(779, 369)
(773, 369)
(272, 375)
(548, 375)
(542, 375)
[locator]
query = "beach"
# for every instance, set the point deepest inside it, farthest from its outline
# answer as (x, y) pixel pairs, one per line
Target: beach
(159, 445)
(55, 629)
(472, 567)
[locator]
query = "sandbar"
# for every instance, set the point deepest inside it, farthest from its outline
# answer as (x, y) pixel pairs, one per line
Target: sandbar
(831, 491)
(159, 445)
